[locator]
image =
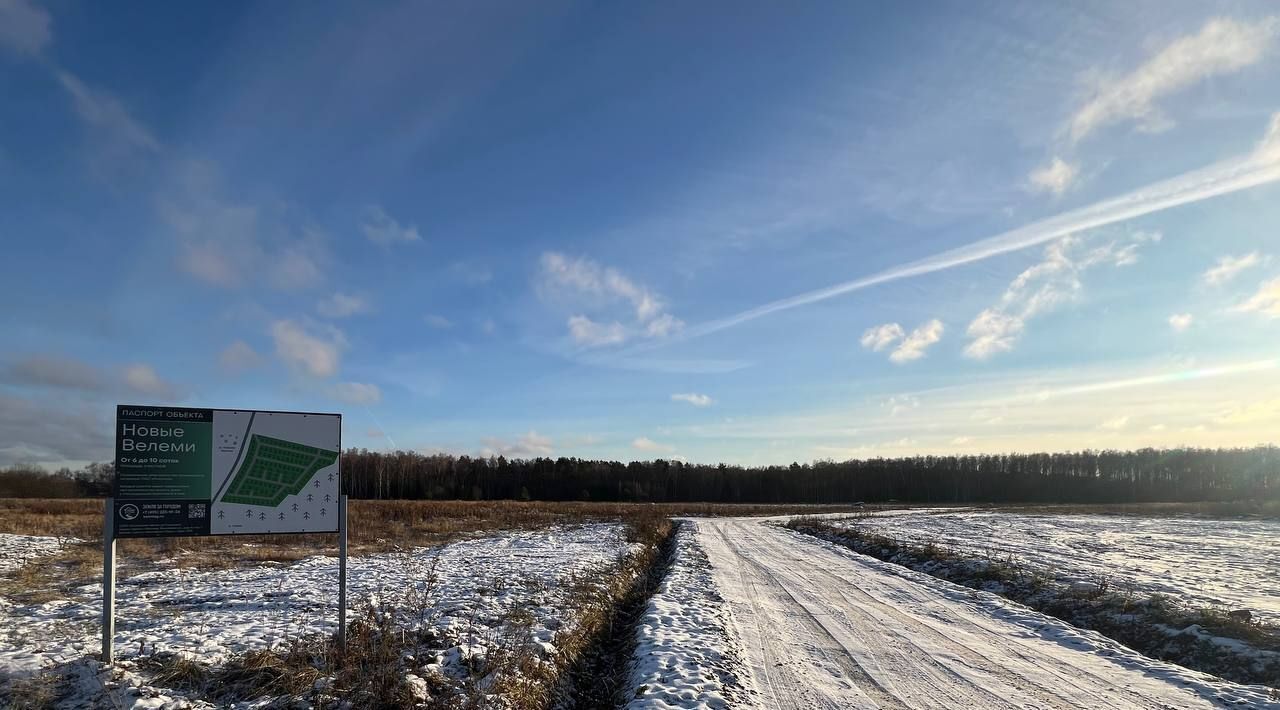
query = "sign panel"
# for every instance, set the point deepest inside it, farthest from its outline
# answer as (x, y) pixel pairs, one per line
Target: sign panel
(183, 471)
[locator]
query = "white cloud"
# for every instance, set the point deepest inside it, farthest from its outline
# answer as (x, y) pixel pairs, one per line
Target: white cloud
(305, 351)
(233, 243)
(585, 331)
(697, 400)
(1055, 177)
(119, 134)
(24, 27)
(1222, 46)
(1259, 167)
(530, 445)
(899, 403)
(587, 284)
(1265, 302)
(239, 356)
(437, 321)
(1228, 267)
(342, 305)
(1049, 283)
(1180, 321)
(644, 443)
(915, 344)
(356, 393)
(877, 338)
(380, 228)
(1115, 423)
(961, 440)
(143, 380)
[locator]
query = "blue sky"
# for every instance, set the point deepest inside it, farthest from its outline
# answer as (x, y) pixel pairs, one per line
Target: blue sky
(741, 232)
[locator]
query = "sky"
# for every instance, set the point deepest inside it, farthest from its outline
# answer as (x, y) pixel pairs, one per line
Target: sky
(736, 232)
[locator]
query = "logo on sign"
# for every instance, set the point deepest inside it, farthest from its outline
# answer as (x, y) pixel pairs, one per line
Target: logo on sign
(129, 511)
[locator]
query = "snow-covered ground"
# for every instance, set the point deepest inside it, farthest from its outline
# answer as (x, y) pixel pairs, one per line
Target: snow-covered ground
(1232, 563)
(687, 654)
(17, 550)
(214, 614)
(825, 627)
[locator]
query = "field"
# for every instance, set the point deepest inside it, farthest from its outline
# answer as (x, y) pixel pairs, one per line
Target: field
(538, 605)
(1200, 561)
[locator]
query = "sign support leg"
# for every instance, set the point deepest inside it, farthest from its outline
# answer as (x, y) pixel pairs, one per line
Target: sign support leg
(342, 574)
(108, 581)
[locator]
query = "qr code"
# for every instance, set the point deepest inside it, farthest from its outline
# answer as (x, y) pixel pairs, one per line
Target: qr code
(197, 510)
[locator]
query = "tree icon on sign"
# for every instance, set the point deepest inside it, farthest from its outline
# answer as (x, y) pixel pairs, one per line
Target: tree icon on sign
(306, 515)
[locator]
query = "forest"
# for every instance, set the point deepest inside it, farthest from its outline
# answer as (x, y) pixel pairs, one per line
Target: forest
(1141, 476)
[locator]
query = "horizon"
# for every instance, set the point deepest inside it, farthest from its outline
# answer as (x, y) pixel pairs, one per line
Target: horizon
(739, 234)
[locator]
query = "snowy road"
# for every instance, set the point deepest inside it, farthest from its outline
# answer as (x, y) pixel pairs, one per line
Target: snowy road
(824, 627)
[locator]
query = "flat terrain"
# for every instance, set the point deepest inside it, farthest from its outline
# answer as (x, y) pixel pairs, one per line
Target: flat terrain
(1204, 562)
(824, 627)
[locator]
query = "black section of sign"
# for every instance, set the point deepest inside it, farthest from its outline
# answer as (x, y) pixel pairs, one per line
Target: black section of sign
(163, 414)
(161, 518)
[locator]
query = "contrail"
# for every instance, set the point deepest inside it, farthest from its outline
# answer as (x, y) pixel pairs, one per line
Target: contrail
(1256, 168)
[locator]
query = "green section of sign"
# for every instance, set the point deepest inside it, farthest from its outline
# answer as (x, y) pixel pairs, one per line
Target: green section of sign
(274, 469)
(163, 459)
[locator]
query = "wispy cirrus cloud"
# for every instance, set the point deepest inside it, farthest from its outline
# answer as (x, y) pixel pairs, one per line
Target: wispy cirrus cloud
(879, 337)
(1229, 267)
(1042, 287)
(1055, 178)
(343, 305)
(383, 229)
(910, 346)
(586, 284)
(304, 350)
(1258, 167)
(25, 28)
(1222, 46)
(1265, 302)
(694, 398)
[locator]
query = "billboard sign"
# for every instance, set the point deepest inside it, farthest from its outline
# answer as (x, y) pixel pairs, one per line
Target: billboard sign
(183, 471)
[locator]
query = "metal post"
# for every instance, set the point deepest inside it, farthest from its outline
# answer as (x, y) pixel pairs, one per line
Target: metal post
(342, 574)
(109, 581)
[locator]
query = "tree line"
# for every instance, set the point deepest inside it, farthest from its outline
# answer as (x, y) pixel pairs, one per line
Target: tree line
(1141, 476)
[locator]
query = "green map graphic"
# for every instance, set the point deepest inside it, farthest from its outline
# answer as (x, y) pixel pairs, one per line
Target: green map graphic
(274, 469)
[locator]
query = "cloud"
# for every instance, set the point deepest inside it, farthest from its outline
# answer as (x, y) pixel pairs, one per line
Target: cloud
(899, 403)
(1265, 302)
(644, 443)
(75, 375)
(697, 400)
(1259, 167)
(1180, 321)
(961, 440)
(1228, 267)
(52, 432)
(585, 331)
(119, 134)
(586, 283)
(877, 338)
(1055, 177)
(356, 393)
(437, 321)
(233, 243)
(1223, 46)
(143, 380)
(380, 228)
(1115, 423)
(307, 352)
(239, 356)
(913, 347)
(56, 371)
(342, 305)
(1042, 287)
(530, 445)
(24, 27)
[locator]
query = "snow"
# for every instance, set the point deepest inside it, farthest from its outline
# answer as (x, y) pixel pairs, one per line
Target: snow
(823, 626)
(17, 550)
(686, 652)
(1202, 562)
(212, 615)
